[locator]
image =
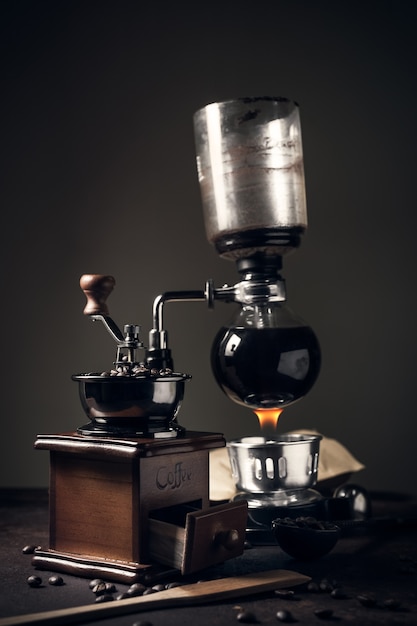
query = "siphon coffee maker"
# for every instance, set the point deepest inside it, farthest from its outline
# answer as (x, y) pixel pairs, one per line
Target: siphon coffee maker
(250, 168)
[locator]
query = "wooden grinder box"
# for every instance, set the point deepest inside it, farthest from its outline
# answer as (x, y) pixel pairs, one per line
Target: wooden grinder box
(119, 505)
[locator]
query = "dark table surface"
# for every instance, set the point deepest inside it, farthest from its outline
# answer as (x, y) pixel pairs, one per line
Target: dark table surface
(381, 564)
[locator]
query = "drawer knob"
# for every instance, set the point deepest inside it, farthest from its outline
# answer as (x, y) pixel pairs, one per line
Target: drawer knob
(229, 539)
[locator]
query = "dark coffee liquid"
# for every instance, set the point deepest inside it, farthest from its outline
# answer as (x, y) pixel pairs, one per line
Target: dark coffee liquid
(267, 367)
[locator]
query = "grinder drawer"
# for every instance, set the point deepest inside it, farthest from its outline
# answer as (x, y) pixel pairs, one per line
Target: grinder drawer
(193, 540)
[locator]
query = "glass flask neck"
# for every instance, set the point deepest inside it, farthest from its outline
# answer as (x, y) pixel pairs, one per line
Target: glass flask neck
(266, 315)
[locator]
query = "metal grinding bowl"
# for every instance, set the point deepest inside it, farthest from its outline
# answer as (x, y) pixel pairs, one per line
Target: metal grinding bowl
(129, 405)
(261, 465)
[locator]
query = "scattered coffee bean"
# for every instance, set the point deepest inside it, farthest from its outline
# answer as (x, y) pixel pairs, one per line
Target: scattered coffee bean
(338, 593)
(34, 581)
(313, 587)
(94, 582)
(148, 591)
(159, 587)
(325, 586)
(247, 545)
(29, 549)
(100, 589)
(105, 597)
(284, 616)
(286, 594)
(172, 585)
(56, 580)
(366, 600)
(392, 604)
(323, 613)
(122, 596)
(110, 588)
(136, 589)
(247, 617)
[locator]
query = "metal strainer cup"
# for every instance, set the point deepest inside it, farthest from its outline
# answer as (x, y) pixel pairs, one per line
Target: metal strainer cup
(261, 465)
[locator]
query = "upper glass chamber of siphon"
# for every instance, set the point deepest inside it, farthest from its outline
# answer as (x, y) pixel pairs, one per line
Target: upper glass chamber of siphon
(251, 175)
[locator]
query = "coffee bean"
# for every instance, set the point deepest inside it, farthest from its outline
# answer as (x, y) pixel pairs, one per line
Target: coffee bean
(392, 604)
(136, 589)
(148, 591)
(159, 587)
(122, 596)
(56, 581)
(94, 582)
(34, 581)
(287, 594)
(338, 593)
(110, 588)
(30, 549)
(100, 589)
(172, 585)
(313, 587)
(323, 613)
(284, 616)
(105, 597)
(366, 600)
(247, 617)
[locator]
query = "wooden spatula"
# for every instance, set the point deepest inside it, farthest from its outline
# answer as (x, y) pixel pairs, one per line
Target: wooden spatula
(197, 593)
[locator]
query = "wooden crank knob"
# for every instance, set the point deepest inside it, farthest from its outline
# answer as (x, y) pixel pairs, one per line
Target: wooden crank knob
(97, 288)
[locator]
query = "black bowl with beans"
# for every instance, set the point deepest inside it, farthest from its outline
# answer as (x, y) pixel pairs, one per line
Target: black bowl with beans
(130, 405)
(305, 538)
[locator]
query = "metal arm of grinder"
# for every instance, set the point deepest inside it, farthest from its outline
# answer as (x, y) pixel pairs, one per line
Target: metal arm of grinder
(97, 288)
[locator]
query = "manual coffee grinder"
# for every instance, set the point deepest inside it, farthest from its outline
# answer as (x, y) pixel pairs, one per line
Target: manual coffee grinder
(129, 490)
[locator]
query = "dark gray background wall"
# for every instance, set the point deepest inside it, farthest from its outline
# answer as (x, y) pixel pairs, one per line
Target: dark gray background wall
(99, 175)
